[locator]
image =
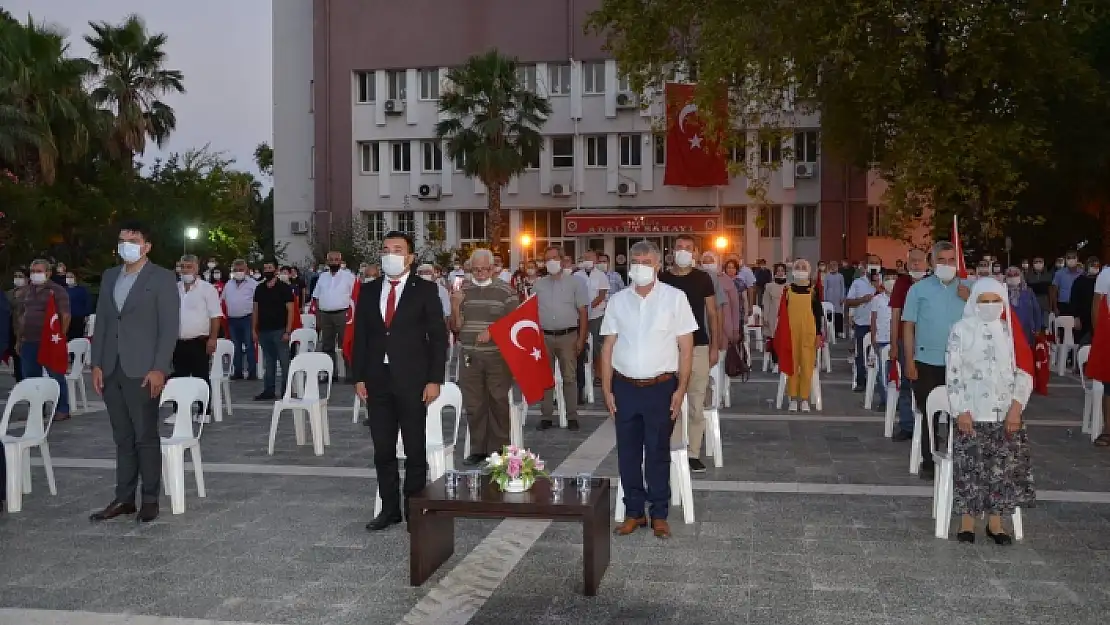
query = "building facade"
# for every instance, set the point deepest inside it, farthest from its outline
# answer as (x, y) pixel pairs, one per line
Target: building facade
(356, 85)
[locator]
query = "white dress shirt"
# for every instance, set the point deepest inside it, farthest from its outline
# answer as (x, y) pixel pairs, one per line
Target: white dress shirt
(199, 306)
(647, 330)
(861, 287)
(445, 299)
(596, 282)
(333, 291)
(239, 297)
(384, 299)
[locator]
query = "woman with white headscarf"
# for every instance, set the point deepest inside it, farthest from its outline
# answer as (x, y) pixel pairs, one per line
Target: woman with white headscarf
(987, 392)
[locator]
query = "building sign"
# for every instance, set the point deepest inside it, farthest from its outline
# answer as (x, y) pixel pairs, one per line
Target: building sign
(581, 225)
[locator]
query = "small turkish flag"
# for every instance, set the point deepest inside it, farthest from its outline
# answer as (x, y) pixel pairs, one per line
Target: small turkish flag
(53, 347)
(1041, 365)
(694, 159)
(349, 331)
(894, 375)
(520, 339)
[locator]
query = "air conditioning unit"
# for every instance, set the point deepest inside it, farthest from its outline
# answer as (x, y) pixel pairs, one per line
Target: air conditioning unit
(560, 190)
(626, 188)
(429, 192)
(627, 100)
(394, 107)
(805, 170)
(298, 227)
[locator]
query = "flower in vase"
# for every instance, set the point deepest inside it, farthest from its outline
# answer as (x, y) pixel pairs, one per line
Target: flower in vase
(515, 466)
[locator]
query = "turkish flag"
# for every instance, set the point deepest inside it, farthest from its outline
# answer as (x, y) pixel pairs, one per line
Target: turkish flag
(784, 347)
(1041, 365)
(693, 159)
(520, 339)
(349, 331)
(961, 267)
(224, 325)
(53, 350)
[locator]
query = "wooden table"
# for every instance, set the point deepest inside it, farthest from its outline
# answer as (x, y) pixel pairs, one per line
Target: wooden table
(432, 521)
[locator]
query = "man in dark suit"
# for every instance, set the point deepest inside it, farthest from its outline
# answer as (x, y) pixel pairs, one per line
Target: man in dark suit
(400, 352)
(137, 324)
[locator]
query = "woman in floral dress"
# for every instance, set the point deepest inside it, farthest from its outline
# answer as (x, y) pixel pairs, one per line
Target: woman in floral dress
(987, 391)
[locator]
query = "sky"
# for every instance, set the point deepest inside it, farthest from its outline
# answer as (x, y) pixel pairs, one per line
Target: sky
(223, 47)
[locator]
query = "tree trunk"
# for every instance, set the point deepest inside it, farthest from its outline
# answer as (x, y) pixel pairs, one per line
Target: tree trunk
(493, 220)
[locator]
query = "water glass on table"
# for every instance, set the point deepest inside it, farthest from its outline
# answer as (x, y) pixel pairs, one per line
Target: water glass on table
(557, 483)
(474, 482)
(451, 482)
(585, 482)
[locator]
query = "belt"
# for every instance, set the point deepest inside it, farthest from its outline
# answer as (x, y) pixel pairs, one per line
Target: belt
(563, 332)
(643, 383)
(334, 312)
(246, 316)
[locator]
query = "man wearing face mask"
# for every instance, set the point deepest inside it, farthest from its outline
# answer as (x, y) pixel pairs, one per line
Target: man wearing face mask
(858, 301)
(982, 270)
(33, 300)
(916, 268)
(1059, 294)
(563, 301)
(1039, 279)
(200, 319)
(772, 300)
(138, 320)
(80, 306)
(499, 270)
(427, 272)
(1082, 296)
(333, 298)
(212, 273)
(271, 327)
(399, 353)
(616, 282)
(597, 289)
(834, 292)
(238, 296)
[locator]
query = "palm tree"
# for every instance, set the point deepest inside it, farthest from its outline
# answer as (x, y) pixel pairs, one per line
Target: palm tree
(492, 127)
(131, 79)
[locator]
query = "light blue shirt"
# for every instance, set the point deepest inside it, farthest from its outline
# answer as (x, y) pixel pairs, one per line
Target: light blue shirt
(1063, 280)
(934, 308)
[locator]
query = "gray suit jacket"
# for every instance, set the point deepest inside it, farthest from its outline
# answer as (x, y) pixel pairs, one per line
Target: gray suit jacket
(142, 336)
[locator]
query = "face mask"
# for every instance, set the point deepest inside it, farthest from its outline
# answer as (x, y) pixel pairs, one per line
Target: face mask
(917, 275)
(709, 267)
(586, 265)
(874, 268)
(267, 275)
(215, 275)
(800, 275)
(983, 271)
(19, 282)
(945, 273)
(1025, 266)
(1014, 281)
(553, 266)
(342, 265)
(1038, 266)
(130, 252)
(889, 285)
(188, 278)
(684, 258)
(641, 275)
(780, 279)
(567, 271)
(989, 311)
(531, 271)
(238, 275)
(1059, 265)
(284, 277)
(71, 281)
(393, 264)
(485, 282)
(211, 264)
(38, 278)
(1071, 263)
(603, 267)
(427, 277)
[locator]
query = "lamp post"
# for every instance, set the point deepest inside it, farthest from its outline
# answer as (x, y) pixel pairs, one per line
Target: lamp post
(526, 245)
(192, 233)
(721, 243)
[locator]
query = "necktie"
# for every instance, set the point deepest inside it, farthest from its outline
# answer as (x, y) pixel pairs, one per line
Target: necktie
(391, 302)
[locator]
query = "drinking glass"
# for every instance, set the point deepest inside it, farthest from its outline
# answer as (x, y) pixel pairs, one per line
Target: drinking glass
(584, 480)
(474, 481)
(557, 486)
(451, 482)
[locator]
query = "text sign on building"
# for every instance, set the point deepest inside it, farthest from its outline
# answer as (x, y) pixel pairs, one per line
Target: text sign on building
(578, 225)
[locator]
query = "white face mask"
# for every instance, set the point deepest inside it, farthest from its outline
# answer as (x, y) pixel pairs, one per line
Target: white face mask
(709, 267)
(800, 275)
(19, 282)
(283, 277)
(71, 281)
(530, 271)
(553, 266)
(486, 282)
(586, 265)
(1071, 263)
(427, 276)
(641, 275)
(215, 275)
(38, 278)
(1093, 271)
(1038, 266)
(1013, 281)
(603, 267)
(130, 252)
(945, 273)
(211, 265)
(984, 271)
(888, 285)
(238, 275)
(684, 258)
(989, 311)
(917, 275)
(393, 265)
(188, 278)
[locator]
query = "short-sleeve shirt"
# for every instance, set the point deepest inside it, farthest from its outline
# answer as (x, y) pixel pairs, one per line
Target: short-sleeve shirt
(1102, 282)
(861, 315)
(199, 306)
(647, 330)
(1063, 280)
(696, 285)
(596, 282)
(933, 308)
(902, 286)
(271, 301)
(559, 301)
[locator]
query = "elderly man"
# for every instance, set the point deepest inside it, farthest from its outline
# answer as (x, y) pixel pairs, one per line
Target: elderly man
(32, 302)
(1059, 293)
(858, 301)
(238, 294)
(916, 268)
(333, 297)
(200, 322)
(563, 319)
(597, 290)
(646, 367)
(485, 379)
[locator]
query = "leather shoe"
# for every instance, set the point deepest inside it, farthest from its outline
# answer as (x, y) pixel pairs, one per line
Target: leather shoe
(474, 460)
(629, 525)
(113, 510)
(148, 512)
(383, 521)
(660, 528)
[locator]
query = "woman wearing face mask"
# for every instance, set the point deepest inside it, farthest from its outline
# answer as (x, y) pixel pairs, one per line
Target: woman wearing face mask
(1024, 304)
(772, 297)
(988, 382)
(731, 318)
(80, 306)
(525, 284)
(797, 347)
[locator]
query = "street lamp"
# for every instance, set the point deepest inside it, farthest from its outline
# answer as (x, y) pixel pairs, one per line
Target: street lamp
(721, 243)
(526, 245)
(192, 233)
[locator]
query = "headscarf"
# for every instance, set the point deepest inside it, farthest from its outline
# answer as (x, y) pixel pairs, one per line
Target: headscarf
(985, 284)
(1002, 339)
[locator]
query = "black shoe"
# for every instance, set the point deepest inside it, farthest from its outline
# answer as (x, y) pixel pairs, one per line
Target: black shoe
(113, 510)
(474, 460)
(927, 471)
(572, 425)
(857, 389)
(545, 424)
(148, 512)
(901, 436)
(383, 521)
(1001, 538)
(365, 421)
(237, 376)
(696, 465)
(265, 396)
(966, 537)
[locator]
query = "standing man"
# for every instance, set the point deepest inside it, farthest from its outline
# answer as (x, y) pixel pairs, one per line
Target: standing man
(1059, 295)
(704, 301)
(563, 302)
(616, 282)
(916, 267)
(238, 294)
(137, 325)
(333, 297)
(834, 291)
(858, 299)
(597, 290)
(499, 271)
(200, 319)
(484, 378)
(646, 366)
(272, 326)
(1039, 280)
(33, 300)
(427, 272)
(399, 357)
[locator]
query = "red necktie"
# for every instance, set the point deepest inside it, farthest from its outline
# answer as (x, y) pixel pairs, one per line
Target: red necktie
(391, 302)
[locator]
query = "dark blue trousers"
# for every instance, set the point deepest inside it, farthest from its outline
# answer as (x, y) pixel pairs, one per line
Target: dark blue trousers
(643, 424)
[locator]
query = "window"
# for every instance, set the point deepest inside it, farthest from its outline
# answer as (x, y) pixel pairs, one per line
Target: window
(429, 84)
(562, 152)
(593, 78)
(770, 152)
(432, 156)
(406, 222)
(460, 161)
(624, 83)
(545, 227)
(878, 225)
(526, 76)
(559, 79)
(368, 157)
(596, 155)
(395, 84)
(630, 150)
(736, 216)
(772, 222)
(805, 221)
(472, 226)
(367, 87)
(660, 142)
(435, 226)
(739, 149)
(376, 227)
(531, 158)
(805, 146)
(402, 156)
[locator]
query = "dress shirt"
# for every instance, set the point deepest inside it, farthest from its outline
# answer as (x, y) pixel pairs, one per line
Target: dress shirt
(861, 314)
(387, 283)
(647, 330)
(616, 283)
(199, 306)
(239, 297)
(1063, 280)
(333, 291)
(559, 300)
(596, 282)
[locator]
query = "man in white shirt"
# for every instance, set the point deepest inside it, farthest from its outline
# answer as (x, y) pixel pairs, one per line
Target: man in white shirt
(428, 272)
(200, 322)
(238, 294)
(616, 282)
(597, 289)
(880, 331)
(333, 298)
(646, 361)
(858, 300)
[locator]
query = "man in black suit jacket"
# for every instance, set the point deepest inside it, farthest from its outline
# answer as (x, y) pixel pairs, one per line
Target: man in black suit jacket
(400, 352)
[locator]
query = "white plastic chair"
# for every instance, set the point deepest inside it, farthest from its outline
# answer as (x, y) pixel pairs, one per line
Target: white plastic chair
(38, 393)
(260, 366)
(871, 363)
(518, 415)
(90, 325)
(682, 485)
(830, 320)
(1064, 331)
(185, 394)
(219, 378)
(726, 382)
(713, 443)
(308, 321)
(824, 352)
(1092, 396)
(588, 368)
(75, 377)
(560, 401)
(816, 399)
(754, 329)
(441, 456)
(302, 340)
(308, 366)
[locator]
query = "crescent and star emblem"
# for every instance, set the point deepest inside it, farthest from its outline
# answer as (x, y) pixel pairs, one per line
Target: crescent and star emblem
(688, 110)
(55, 327)
(515, 330)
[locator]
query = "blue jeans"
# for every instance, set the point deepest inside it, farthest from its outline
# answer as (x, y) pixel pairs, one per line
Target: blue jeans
(881, 376)
(861, 364)
(241, 337)
(905, 398)
(274, 350)
(29, 357)
(643, 423)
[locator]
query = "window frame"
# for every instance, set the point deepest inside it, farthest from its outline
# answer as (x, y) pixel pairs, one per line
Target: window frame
(559, 79)
(400, 156)
(770, 152)
(369, 150)
(624, 83)
(468, 216)
(772, 221)
(428, 77)
(397, 216)
(802, 146)
(635, 149)
(556, 155)
(431, 157)
(376, 220)
(800, 230)
(527, 77)
(876, 222)
(600, 152)
(659, 149)
(366, 82)
(593, 73)
(393, 89)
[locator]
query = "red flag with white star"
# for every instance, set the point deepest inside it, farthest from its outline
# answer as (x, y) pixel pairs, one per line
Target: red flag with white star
(520, 339)
(349, 332)
(53, 347)
(693, 158)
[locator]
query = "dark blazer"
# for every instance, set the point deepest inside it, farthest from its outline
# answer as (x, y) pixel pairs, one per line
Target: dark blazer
(416, 341)
(142, 336)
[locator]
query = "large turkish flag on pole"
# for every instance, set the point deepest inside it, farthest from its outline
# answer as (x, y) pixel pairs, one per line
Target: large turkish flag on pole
(520, 339)
(693, 158)
(53, 347)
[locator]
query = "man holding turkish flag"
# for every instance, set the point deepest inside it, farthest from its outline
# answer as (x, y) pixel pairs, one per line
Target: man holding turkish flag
(693, 158)
(45, 314)
(521, 342)
(53, 353)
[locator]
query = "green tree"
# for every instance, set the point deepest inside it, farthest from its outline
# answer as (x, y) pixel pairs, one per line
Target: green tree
(492, 127)
(262, 208)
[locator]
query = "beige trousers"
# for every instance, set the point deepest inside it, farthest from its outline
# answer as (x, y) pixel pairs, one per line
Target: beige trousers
(562, 349)
(695, 398)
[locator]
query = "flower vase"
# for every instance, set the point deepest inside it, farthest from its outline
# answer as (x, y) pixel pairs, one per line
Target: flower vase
(518, 485)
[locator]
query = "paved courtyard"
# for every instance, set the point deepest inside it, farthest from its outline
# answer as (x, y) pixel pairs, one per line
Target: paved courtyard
(813, 519)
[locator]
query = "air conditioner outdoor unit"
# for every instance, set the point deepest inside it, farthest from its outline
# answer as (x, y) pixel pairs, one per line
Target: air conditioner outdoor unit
(627, 100)
(394, 107)
(626, 188)
(560, 190)
(805, 170)
(429, 192)
(298, 227)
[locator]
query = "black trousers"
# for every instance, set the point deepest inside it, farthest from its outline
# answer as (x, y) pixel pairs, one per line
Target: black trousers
(133, 414)
(397, 405)
(838, 322)
(190, 359)
(929, 377)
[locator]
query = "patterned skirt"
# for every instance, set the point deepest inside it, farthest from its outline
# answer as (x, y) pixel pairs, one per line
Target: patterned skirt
(992, 471)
